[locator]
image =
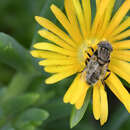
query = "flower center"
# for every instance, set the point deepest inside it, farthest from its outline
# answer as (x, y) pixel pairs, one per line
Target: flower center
(84, 48)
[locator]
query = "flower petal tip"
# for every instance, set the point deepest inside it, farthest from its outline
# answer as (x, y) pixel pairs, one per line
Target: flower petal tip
(78, 107)
(48, 81)
(65, 100)
(40, 32)
(97, 117)
(33, 53)
(40, 63)
(37, 18)
(52, 7)
(102, 122)
(128, 110)
(36, 45)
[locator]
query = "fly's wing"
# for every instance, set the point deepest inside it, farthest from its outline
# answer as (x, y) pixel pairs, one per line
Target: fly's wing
(83, 75)
(93, 64)
(104, 70)
(90, 68)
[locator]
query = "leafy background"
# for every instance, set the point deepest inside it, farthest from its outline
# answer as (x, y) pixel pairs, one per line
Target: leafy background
(26, 103)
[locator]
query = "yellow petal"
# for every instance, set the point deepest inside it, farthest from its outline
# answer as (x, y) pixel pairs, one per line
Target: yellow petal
(77, 93)
(51, 62)
(121, 68)
(48, 55)
(121, 45)
(57, 69)
(50, 36)
(60, 76)
(53, 28)
(68, 95)
(98, 17)
(98, 2)
(53, 48)
(96, 101)
(106, 20)
(80, 17)
(120, 36)
(80, 101)
(117, 88)
(121, 27)
(121, 64)
(122, 11)
(87, 14)
(104, 105)
(121, 55)
(64, 21)
(69, 8)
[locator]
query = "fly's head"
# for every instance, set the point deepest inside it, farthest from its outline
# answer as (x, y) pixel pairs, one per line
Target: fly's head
(104, 51)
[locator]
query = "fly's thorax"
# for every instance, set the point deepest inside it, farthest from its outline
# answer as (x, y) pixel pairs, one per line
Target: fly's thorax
(103, 55)
(103, 52)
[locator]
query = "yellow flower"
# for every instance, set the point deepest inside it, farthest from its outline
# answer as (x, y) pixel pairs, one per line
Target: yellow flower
(64, 55)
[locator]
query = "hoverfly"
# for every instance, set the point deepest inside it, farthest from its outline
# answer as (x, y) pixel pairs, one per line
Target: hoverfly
(97, 64)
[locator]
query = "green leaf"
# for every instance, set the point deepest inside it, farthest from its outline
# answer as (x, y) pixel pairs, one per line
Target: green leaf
(117, 119)
(33, 116)
(19, 103)
(57, 109)
(13, 54)
(19, 84)
(117, 5)
(93, 7)
(77, 115)
(3, 91)
(28, 127)
(7, 126)
(1, 112)
(125, 83)
(6, 73)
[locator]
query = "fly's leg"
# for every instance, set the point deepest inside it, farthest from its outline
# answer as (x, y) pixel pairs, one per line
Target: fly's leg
(103, 82)
(88, 54)
(108, 74)
(96, 53)
(83, 70)
(92, 49)
(86, 61)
